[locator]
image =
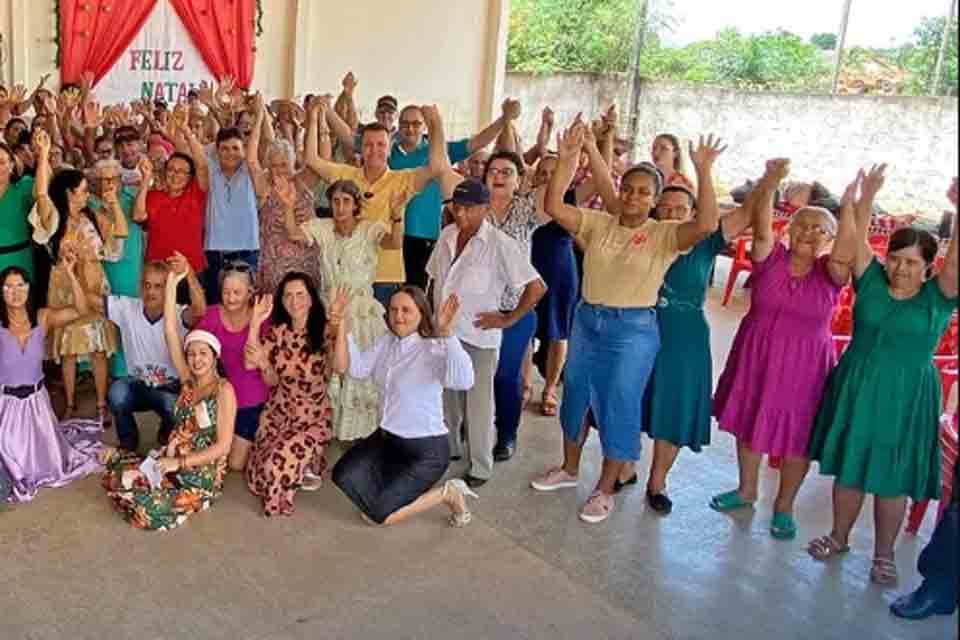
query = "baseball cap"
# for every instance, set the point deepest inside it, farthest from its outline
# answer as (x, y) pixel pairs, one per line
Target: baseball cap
(388, 102)
(470, 193)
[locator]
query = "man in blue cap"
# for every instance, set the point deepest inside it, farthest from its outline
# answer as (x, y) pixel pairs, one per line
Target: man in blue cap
(478, 262)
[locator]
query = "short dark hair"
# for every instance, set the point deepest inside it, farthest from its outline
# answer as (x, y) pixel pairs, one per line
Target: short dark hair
(125, 133)
(505, 155)
(182, 156)
(911, 237)
(373, 127)
(646, 169)
(13, 121)
(676, 188)
(230, 133)
(350, 188)
(31, 300)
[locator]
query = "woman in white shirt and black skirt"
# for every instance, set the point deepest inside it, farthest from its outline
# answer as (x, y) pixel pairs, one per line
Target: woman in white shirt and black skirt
(390, 475)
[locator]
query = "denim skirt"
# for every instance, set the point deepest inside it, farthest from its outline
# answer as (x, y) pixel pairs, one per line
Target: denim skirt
(612, 354)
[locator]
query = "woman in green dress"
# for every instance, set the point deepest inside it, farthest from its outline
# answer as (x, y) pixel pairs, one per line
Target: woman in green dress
(680, 393)
(16, 201)
(877, 430)
(194, 463)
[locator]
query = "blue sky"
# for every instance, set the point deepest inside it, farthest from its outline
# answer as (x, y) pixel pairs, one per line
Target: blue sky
(875, 23)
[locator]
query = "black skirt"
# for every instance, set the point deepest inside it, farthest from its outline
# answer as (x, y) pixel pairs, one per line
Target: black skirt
(385, 473)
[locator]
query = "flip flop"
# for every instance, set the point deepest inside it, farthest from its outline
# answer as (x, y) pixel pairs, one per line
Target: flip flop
(730, 501)
(783, 527)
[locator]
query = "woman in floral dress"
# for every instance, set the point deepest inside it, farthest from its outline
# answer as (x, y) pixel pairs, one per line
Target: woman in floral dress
(194, 463)
(295, 360)
(71, 228)
(349, 247)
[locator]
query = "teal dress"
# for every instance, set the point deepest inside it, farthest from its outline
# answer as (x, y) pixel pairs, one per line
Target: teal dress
(16, 249)
(878, 428)
(679, 396)
(126, 274)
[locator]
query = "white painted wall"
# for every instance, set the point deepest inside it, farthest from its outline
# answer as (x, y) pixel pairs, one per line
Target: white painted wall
(448, 52)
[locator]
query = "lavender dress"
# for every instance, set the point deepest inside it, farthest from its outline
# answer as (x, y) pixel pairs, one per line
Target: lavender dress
(36, 451)
(769, 394)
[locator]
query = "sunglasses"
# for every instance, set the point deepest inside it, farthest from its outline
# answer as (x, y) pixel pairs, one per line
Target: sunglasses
(237, 267)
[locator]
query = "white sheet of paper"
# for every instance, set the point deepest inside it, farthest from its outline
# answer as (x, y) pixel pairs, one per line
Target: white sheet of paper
(151, 471)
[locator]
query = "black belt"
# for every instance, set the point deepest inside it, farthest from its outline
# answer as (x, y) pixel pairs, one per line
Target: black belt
(24, 392)
(14, 248)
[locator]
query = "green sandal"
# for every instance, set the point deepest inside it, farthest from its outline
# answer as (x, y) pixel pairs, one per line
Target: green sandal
(783, 527)
(730, 501)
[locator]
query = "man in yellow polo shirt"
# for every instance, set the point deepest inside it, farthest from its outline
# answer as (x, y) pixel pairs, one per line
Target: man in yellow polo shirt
(387, 192)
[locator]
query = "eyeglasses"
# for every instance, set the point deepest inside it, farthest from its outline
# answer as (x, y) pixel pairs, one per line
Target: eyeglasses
(237, 267)
(108, 179)
(502, 173)
(179, 172)
(814, 229)
(411, 124)
(15, 288)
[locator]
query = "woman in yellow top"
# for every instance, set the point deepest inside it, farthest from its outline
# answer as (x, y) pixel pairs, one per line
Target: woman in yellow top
(615, 338)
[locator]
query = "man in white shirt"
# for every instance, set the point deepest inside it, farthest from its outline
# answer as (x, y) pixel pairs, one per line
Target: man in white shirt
(151, 383)
(478, 262)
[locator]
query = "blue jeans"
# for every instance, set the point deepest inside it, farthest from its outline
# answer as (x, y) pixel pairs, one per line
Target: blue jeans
(217, 260)
(508, 383)
(383, 291)
(129, 396)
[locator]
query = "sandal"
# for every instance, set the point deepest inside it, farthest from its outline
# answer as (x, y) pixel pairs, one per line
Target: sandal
(783, 527)
(825, 548)
(550, 406)
(106, 418)
(884, 572)
(730, 501)
(527, 395)
(459, 520)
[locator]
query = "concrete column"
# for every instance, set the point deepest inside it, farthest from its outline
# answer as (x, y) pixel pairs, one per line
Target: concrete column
(495, 71)
(300, 51)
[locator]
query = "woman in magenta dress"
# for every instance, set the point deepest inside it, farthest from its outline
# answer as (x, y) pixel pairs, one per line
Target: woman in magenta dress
(36, 451)
(773, 383)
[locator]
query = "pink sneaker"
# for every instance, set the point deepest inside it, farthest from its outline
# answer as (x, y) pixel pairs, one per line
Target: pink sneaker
(554, 480)
(598, 508)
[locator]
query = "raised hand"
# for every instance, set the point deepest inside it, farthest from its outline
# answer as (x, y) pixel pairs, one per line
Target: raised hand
(612, 117)
(145, 167)
(262, 309)
(777, 170)
(339, 304)
(178, 264)
(18, 94)
(512, 109)
(174, 279)
(570, 143)
(41, 143)
(447, 316)
(707, 151)
(548, 119)
(68, 259)
(350, 82)
(205, 93)
(284, 191)
(874, 180)
(431, 115)
(86, 81)
(91, 114)
(852, 192)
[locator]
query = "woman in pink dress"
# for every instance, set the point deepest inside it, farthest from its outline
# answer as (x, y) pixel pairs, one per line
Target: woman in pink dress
(773, 383)
(36, 451)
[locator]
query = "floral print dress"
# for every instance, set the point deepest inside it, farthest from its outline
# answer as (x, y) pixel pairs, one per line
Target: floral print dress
(183, 493)
(296, 425)
(278, 254)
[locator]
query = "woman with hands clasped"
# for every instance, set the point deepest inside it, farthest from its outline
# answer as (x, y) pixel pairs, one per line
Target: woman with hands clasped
(877, 431)
(194, 463)
(390, 475)
(768, 395)
(615, 339)
(295, 358)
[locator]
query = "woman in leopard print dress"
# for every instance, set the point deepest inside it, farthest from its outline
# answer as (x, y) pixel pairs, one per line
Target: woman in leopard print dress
(295, 427)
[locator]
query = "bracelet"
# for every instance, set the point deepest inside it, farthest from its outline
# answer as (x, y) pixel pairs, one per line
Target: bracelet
(396, 220)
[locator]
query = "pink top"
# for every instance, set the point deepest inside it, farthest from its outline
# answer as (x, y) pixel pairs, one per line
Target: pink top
(251, 390)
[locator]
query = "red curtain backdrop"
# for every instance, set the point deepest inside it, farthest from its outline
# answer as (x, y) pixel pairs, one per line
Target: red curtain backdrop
(95, 33)
(223, 31)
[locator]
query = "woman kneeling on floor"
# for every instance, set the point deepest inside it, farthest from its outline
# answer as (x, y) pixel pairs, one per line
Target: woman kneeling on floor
(390, 475)
(194, 463)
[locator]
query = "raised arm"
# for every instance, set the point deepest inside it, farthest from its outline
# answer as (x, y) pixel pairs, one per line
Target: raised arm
(439, 160)
(260, 183)
(286, 194)
(140, 214)
(870, 185)
(538, 151)
(949, 278)
(311, 156)
(346, 105)
(763, 236)
(198, 300)
(171, 329)
(600, 172)
(708, 210)
(41, 184)
(254, 355)
(59, 318)
(199, 155)
(568, 156)
(843, 256)
(393, 240)
(740, 219)
(510, 112)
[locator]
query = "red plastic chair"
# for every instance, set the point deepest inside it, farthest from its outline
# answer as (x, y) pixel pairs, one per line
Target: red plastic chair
(741, 264)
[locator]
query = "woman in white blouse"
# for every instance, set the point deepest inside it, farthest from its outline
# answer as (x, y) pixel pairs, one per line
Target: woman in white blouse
(390, 475)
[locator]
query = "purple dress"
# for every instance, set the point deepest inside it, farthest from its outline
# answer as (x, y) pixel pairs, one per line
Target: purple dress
(36, 451)
(769, 394)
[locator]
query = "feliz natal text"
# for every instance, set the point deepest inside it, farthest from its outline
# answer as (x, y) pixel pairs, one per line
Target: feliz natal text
(161, 60)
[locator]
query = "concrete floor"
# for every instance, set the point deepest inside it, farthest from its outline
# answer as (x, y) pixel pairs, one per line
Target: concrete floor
(526, 567)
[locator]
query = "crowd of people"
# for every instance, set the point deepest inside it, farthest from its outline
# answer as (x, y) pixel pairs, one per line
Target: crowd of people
(268, 278)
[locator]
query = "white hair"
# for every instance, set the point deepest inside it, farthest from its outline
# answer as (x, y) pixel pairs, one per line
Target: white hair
(831, 220)
(284, 147)
(109, 163)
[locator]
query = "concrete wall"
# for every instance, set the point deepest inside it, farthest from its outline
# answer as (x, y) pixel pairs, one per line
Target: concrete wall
(827, 137)
(450, 53)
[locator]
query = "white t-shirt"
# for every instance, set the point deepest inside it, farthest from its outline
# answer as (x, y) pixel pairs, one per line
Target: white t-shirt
(144, 344)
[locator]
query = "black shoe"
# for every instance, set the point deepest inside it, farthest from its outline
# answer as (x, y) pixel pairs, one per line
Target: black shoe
(129, 445)
(919, 605)
(456, 458)
(503, 452)
(620, 486)
(660, 503)
(474, 482)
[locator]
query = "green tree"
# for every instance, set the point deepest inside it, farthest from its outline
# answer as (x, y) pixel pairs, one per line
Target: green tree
(550, 36)
(825, 41)
(920, 58)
